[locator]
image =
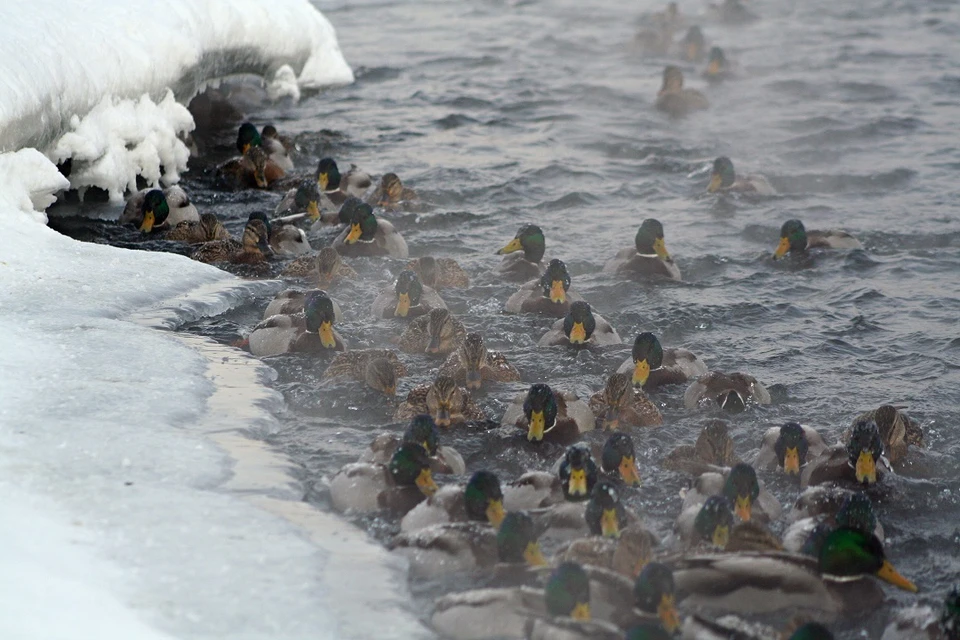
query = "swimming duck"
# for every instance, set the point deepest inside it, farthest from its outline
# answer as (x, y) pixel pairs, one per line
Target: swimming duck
(626, 555)
(618, 460)
(674, 99)
(208, 229)
(291, 301)
(271, 137)
(732, 12)
(740, 486)
(530, 241)
(821, 509)
(651, 366)
(471, 364)
(308, 332)
(648, 257)
(670, 17)
(336, 189)
(730, 390)
(481, 499)
(252, 250)
(549, 295)
(605, 514)
(621, 406)
(573, 480)
(795, 238)
(859, 461)
(399, 485)
(392, 195)
(446, 403)
(545, 414)
(789, 448)
(440, 273)
(580, 328)
(897, 430)
(248, 136)
(923, 623)
(365, 235)
(379, 369)
(578, 473)
(717, 67)
(437, 333)
(422, 430)
(326, 268)
(302, 199)
(151, 209)
(708, 522)
(724, 179)
(252, 170)
(712, 451)
(693, 45)
(407, 298)
(286, 239)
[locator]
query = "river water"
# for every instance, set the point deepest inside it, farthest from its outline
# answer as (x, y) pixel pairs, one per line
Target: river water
(506, 113)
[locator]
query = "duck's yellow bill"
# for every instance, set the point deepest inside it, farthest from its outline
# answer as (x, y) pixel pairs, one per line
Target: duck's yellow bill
(322, 181)
(641, 371)
(533, 556)
(791, 461)
(355, 233)
(628, 472)
(495, 512)
(403, 305)
(782, 248)
(536, 427)
(581, 611)
(609, 524)
(578, 334)
(742, 508)
(888, 574)
(327, 338)
(577, 485)
(713, 68)
(146, 226)
(557, 293)
(313, 210)
(425, 483)
(667, 612)
(510, 247)
(661, 248)
(721, 536)
(716, 182)
(245, 148)
(866, 468)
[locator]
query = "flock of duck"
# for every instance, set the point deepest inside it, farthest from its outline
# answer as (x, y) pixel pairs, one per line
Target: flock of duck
(609, 576)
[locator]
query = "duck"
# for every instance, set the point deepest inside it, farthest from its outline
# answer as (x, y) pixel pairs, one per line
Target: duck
(673, 99)
(621, 406)
(605, 514)
(713, 451)
(648, 258)
(732, 12)
(472, 364)
(326, 268)
(821, 509)
(208, 229)
(698, 627)
(550, 295)
(626, 555)
(311, 331)
(379, 369)
(692, 45)
(440, 273)
(731, 391)
(669, 18)
(859, 461)
(920, 622)
(336, 188)
(252, 170)
(740, 486)
(897, 430)
(651, 366)
(789, 448)
(392, 195)
(286, 239)
(164, 209)
(717, 67)
(291, 301)
(707, 523)
(724, 179)
(795, 239)
(253, 250)
(407, 298)
(580, 328)
(481, 500)
(248, 136)
(445, 401)
(435, 333)
(545, 414)
(366, 235)
(301, 200)
(422, 430)
(362, 487)
(529, 264)
(578, 473)
(618, 460)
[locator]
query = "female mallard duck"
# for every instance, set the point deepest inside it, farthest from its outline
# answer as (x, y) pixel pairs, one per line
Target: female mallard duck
(480, 500)
(326, 268)
(712, 451)
(252, 250)
(859, 461)
(627, 555)
(529, 264)
(923, 623)
(724, 179)
(692, 46)
(674, 99)
(436, 333)
(789, 447)
(248, 137)
(422, 430)
(308, 332)
(550, 294)
(151, 209)
(647, 258)
(365, 235)
(794, 238)
(407, 298)
(440, 273)
(730, 390)
(291, 301)
(398, 486)
(286, 239)
(821, 509)
(740, 486)
(621, 406)
(335, 189)
(545, 414)
(471, 364)
(897, 430)
(209, 229)
(652, 366)
(580, 328)
(618, 460)
(392, 195)
(717, 67)
(252, 170)
(447, 403)
(379, 369)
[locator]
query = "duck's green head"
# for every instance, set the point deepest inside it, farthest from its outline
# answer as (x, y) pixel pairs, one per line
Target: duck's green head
(617, 394)
(731, 401)
(555, 281)
(718, 62)
(865, 449)
(856, 512)
(578, 472)
(649, 239)
(791, 448)
(950, 616)
(647, 356)
(410, 466)
(408, 290)
(473, 356)
(742, 489)
(363, 224)
(328, 175)
(851, 553)
(529, 239)
(483, 498)
(320, 316)
(648, 631)
(540, 409)
(723, 175)
(423, 430)
(693, 44)
(672, 79)
(653, 592)
(517, 541)
(618, 458)
(568, 592)
(812, 631)
(247, 137)
(155, 210)
(579, 323)
(714, 521)
(307, 198)
(793, 237)
(605, 514)
(380, 375)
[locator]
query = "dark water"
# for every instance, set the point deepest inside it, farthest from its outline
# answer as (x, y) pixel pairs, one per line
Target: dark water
(501, 114)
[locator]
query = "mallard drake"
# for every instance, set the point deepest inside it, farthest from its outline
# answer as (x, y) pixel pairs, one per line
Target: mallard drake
(859, 461)
(515, 266)
(627, 555)
(712, 451)
(379, 369)
(446, 403)
(923, 623)
(309, 332)
(621, 406)
(740, 486)
(392, 195)
(821, 509)
(437, 332)
(794, 238)
(605, 514)
(674, 99)
(724, 179)
(789, 448)
(647, 258)
(481, 499)
(731, 391)
(151, 209)
(286, 239)
(549, 295)
(326, 268)
(209, 229)
(422, 430)
(365, 235)
(302, 199)
(471, 364)
(252, 170)
(440, 273)
(545, 414)
(651, 366)
(693, 45)
(618, 460)
(897, 430)
(336, 188)
(407, 298)
(580, 328)
(248, 137)
(578, 473)
(253, 250)
(709, 522)
(291, 301)
(717, 67)
(399, 485)
(732, 12)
